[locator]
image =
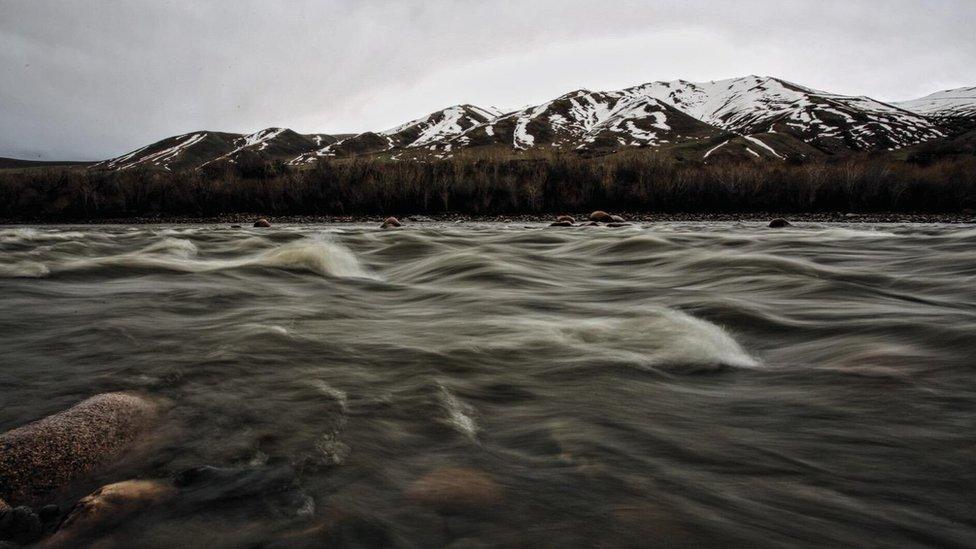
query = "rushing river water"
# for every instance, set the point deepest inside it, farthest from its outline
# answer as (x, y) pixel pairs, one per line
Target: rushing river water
(666, 384)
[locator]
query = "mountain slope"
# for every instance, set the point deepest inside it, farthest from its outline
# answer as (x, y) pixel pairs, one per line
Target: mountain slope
(959, 102)
(585, 120)
(436, 127)
(198, 149)
(829, 122)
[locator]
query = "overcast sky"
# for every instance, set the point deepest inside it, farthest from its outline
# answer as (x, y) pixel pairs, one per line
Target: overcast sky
(91, 79)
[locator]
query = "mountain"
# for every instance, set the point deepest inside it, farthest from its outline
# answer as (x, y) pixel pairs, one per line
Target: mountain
(198, 149)
(584, 120)
(828, 122)
(434, 128)
(740, 119)
(956, 103)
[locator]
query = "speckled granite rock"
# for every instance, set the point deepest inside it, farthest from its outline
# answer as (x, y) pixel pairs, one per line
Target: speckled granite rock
(39, 458)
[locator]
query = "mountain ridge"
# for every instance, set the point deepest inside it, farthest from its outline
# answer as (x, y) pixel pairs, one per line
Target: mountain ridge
(746, 118)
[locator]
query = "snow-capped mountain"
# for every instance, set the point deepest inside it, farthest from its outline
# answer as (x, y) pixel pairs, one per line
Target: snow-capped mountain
(198, 149)
(959, 102)
(829, 122)
(434, 128)
(752, 117)
(585, 120)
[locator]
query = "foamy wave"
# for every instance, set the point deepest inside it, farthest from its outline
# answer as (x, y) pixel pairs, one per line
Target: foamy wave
(458, 413)
(24, 269)
(320, 257)
(317, 256)
(661, 338)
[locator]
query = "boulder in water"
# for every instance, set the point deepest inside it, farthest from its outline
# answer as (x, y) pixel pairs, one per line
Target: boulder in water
(561, 224)
(778, 223)
(390, 222)
(600, 215)
(453, 488)
(617, 219)
(567, 218)
(262, 223)
(42, 457)
(618, 224)
(109, 505)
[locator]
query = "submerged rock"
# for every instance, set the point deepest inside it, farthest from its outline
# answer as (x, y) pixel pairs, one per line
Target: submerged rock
(390, 222)
(42, 457)
(263, 490)
(561, 224)
(262, 223)
(235, 227)
(109, 505)
(568, 218)
(779, 222)
(616, 224)
(600, 215)
(455, 488)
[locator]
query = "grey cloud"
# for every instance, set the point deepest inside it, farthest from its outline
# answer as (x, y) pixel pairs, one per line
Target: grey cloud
(94, 79)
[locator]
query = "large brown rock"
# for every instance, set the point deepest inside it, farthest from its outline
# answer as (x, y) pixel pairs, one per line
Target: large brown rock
(601, 216)
(455, 488)
(262, 223)
(40, 458)
(566, 218)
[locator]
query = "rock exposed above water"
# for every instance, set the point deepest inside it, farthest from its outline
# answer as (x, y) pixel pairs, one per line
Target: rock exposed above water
(40, 458)
(390, 222)
(262, 223)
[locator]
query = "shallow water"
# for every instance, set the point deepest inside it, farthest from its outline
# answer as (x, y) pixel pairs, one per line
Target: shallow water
(676, 384)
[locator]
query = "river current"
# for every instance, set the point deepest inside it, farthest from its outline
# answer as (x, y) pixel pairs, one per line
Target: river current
(677, 384)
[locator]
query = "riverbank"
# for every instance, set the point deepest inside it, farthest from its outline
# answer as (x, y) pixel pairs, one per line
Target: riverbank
(653, 217)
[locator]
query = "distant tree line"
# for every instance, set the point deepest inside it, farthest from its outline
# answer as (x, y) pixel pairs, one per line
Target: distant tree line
(488, 186)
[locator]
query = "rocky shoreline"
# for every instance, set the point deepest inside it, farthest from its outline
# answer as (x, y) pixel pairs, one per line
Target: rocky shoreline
(247, 219)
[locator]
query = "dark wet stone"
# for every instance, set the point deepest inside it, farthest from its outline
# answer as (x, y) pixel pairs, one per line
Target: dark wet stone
(617, 224)
(49, 513)
(561, 224)
(20, 525)
(617, 219)
(600, 215)
(236, 227)
(567, 218)
(262, 223)
(779, 222)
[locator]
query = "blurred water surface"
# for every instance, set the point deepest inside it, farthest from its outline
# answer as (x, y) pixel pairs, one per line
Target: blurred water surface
(671, 384)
